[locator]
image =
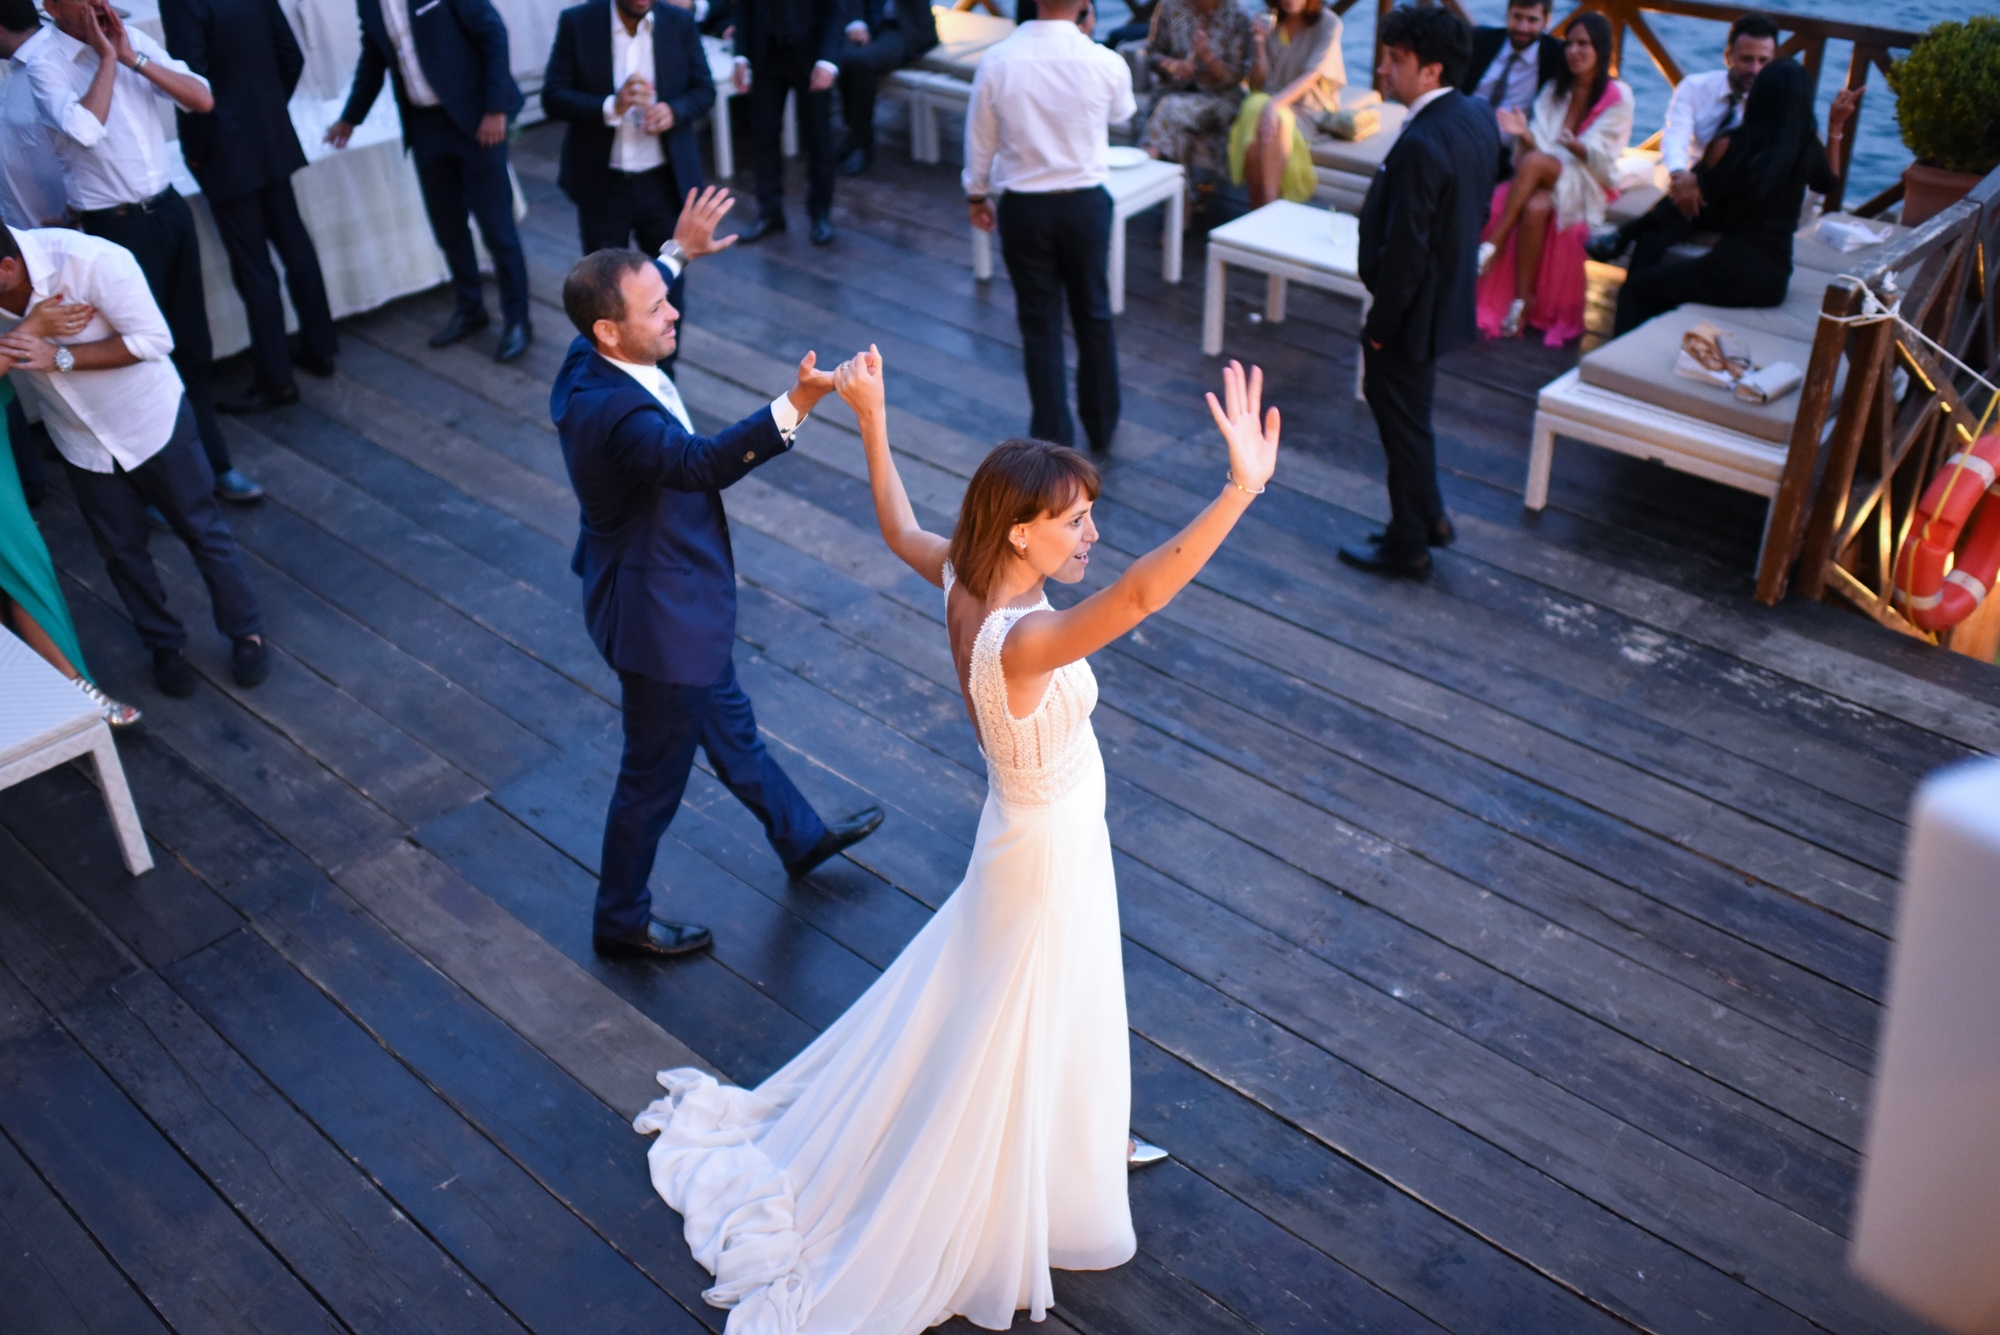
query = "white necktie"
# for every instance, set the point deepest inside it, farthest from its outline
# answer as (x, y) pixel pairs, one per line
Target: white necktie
(669, 395)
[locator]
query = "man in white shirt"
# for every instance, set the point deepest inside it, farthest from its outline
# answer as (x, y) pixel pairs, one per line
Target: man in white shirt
(31, 183)
(114, 406)
(103, 88)
(1704, 109)
(1038, 135)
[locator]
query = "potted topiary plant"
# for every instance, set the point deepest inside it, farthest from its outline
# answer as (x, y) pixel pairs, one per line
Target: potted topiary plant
(1948, 109)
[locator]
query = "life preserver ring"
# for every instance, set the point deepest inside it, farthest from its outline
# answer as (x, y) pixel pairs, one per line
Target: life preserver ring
(1934, 598)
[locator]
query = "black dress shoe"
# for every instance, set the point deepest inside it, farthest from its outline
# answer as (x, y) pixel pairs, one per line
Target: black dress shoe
(172, 673)
(1606, 245)
(514, 341)
(237, 489)
(461, 325)
(1442, 535)
(249, 662)
(660, 941)
(855, 162)
(1375, 561)
(319, 366)
(822, 231)
(845, 834)
(258, 399)
(765, 224)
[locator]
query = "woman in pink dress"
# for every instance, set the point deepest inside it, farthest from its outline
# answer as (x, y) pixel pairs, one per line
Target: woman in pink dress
(1566, 151)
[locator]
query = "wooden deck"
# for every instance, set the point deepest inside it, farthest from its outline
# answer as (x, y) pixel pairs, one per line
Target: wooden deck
(1503, 953)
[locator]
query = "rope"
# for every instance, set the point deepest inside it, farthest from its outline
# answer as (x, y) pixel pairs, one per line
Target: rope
(1875, 311)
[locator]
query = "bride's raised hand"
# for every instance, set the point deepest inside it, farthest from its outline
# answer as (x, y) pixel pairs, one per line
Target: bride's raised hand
(1250, 430)
(860, 385)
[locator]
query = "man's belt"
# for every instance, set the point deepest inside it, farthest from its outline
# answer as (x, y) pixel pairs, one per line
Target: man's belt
(153, 205)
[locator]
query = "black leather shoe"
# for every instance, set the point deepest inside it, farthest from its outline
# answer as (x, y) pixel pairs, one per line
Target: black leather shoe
(249, 662)
(172, 673)
(1442, 535)
(1372, 560)
(319, 366)
(237, 489)
(259, 399)
(1606, 246)
(822, 231)
(660, 941)
(514, 341)
(856, 162)
(765, 224)
(461, 325)
(845, 834)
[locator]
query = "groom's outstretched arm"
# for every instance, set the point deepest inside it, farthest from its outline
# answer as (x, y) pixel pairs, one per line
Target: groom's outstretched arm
(652, 446)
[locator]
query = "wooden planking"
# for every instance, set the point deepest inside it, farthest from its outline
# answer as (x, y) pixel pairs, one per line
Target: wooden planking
(56, 1278)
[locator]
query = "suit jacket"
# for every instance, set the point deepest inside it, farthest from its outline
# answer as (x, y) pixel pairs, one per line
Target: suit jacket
(659, 579)
(816, 23)
(251, 59)
(1486, 44)
(913, 19)
(462, 50)
(1420, 225)
(580, 77)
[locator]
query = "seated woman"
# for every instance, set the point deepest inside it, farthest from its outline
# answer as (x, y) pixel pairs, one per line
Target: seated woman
(1751, 196)
(1297, 64)
(1565, 168)
(1199, 53)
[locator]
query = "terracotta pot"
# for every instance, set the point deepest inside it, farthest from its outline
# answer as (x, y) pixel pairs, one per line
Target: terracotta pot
(1929, 191)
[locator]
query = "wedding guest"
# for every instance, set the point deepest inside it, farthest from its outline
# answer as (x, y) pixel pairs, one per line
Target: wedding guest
(1137, 27)
(882, 37)
(1510, 64)
(1037, 133)
(1565, 172)
(1754, 194)
(455, 93)
(115, 407)
(244, 154)
(1296, 69)
(1704, 109)
(786, 47)
(1418, 256)
(1200, 53)
(102, 87)
(659, 580)
(31, 180)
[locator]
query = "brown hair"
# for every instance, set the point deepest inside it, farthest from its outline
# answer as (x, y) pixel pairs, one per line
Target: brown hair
(1313, 8)
(593, 290)
(1018, 481)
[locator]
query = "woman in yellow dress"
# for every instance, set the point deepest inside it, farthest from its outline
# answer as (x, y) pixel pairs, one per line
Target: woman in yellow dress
(1296, 68)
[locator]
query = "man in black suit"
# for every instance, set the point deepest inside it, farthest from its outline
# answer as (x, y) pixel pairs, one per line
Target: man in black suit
(1419, 256)
(244, 153)
(456, 93)
(784, 47)
(1509, 65)
(882, 37)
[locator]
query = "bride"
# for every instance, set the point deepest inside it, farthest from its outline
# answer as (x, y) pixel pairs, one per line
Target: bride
(962, 1128)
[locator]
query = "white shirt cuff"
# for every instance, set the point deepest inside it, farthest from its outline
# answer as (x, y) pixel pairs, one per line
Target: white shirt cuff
(826, 65)
(701, 11)
(786, 416)
(669, 263)
(611, 116)
(147, 349)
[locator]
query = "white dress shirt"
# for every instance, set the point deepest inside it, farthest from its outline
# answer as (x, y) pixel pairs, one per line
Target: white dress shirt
(1702, 108)
(31, 181)
(661, 386)
(1425, 100)
(632, 149)
(396, 18)
(1524, 76)
(124, 415)
(1043, 104)
(123, 158)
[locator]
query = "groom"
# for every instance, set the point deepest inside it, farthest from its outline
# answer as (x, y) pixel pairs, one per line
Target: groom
(659, 581)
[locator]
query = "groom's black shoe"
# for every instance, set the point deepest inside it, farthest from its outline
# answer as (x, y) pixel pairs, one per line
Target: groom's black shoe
(660, 940)
(1442, 535)
(843, 835)
(1378, 562)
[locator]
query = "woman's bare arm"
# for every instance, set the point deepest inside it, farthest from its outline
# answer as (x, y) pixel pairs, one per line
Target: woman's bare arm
(859, 383)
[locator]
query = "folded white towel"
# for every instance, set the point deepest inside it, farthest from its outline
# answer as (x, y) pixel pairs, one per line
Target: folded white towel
(1844, 232)
(1768, 384)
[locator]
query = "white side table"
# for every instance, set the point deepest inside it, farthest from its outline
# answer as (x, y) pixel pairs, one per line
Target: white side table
(1133, 190)
(45, 721)
(721, 71)
(1293, 243)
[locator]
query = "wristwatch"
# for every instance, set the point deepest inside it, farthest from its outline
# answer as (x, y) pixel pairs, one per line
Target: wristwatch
(139, 61)
(65, 360)
(673, 251)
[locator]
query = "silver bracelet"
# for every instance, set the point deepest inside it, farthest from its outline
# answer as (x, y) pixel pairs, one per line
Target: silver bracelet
(1231, 475)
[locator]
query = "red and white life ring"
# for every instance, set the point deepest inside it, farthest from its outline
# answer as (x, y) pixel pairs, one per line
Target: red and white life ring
(1937, 599)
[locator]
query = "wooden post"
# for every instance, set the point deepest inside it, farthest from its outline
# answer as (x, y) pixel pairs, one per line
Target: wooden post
(1869, 348)
(1781, 535)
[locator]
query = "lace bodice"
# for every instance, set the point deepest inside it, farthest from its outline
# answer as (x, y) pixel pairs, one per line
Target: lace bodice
(1035, 760)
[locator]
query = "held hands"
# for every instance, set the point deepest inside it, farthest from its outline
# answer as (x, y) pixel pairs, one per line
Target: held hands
(859, 383)
(813, 385)
(54, 318)
(700, 213)
(1250, 429)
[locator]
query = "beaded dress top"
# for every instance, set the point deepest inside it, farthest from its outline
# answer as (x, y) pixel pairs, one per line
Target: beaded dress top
(1037, 759)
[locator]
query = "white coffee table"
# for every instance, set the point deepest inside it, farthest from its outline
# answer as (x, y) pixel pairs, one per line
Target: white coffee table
(1133, 190)
(1293, 243)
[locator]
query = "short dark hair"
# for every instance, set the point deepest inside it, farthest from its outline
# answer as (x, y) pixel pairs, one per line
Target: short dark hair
(1436, 36)
(1542, 5)
(593, 291)
(1752, 25)
(1315, 7)
(19, 16)
(10, 249)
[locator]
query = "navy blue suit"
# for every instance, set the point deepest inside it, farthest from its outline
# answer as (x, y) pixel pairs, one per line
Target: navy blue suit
(462, 50)
(659, 597)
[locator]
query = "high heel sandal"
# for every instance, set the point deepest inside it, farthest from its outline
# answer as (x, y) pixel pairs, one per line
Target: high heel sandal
(1141, 1154)
(116, 713)
(1510, 327)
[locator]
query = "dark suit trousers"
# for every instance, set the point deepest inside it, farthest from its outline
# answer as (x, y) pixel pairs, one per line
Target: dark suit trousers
(1057, 245)
(664, 723)
(1399, 393)
(179, 483)
(1655, 232)
(458, 176)
(786, 67)
(861, 71)
(162, 238)
(641, 208)
(251, 226)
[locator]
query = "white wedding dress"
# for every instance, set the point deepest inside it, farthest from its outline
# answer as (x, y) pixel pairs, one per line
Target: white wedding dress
(961, 1129)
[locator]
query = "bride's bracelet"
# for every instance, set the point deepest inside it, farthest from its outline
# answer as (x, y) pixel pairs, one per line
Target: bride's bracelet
(1240, 487)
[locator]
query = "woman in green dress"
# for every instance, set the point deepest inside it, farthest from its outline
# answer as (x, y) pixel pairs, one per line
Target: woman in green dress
(1297, 72)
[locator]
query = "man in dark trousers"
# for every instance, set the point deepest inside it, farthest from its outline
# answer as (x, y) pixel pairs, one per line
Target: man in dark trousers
(1509, 65)
(456, 93)
(785, 47)
(1419, 257)
(244, 153)
(882, 37)
(659, 580)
